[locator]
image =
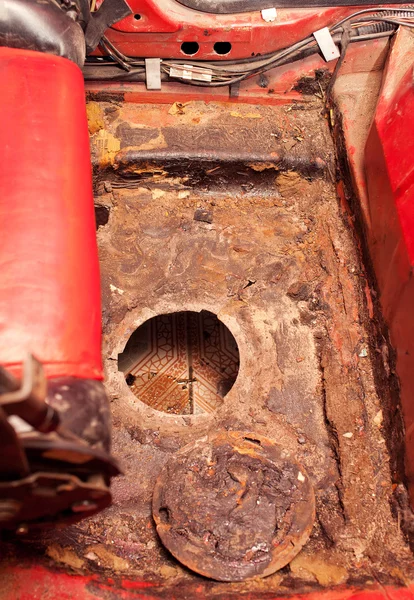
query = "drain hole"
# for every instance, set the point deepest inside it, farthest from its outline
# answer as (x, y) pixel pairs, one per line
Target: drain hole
(222, 47)
(181, 363)
(137, 17)
(190, 48)
(101, 215)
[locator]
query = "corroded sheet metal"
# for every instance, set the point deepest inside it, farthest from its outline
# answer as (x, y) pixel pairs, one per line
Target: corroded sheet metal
(233, 505)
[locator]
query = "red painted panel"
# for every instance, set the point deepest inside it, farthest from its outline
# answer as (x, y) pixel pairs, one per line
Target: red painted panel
(363, 56)
(49, 285)
(390, 179)
(39, 583)
(165, 24)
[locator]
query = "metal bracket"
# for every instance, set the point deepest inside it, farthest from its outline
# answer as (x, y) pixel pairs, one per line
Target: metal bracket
(26, 399)
(326, 44)
(153, 73)
(33, 383)
(234, 90)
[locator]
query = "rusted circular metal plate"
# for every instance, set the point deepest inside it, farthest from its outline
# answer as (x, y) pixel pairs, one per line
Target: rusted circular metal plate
(233, 505)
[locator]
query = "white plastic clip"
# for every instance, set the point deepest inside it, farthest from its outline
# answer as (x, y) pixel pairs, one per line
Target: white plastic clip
(326, 44)
(190, 72)
(269, 14)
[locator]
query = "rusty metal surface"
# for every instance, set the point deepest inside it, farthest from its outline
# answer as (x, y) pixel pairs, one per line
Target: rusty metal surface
(279, 266)
(233, 505)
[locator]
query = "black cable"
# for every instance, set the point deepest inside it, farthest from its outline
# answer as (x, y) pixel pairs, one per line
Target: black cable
(113, 73)
(345, 39)
(114, 55)
(371, 10)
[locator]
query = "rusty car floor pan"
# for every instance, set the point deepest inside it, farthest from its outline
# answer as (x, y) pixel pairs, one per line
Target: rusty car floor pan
(277, 261)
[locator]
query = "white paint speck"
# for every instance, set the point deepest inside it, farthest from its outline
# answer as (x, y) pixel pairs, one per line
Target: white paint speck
(116, 289)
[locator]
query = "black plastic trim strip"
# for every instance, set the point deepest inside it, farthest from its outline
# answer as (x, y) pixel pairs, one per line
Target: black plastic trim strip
(242, 6)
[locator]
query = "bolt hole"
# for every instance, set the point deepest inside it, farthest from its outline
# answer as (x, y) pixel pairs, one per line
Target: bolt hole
(137, 17)
(130, 379)
(190, 48)
(164, 514)
(222, 47)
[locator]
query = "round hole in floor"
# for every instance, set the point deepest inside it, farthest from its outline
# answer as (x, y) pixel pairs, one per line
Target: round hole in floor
(190, 48)
(137, 17)
(181, 363)
(222, 47)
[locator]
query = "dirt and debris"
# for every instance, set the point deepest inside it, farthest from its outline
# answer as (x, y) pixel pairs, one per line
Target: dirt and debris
(204, 215)
(316, 85)
(280, 267)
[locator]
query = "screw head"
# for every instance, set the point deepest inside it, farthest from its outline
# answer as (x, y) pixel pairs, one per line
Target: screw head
(22, 529)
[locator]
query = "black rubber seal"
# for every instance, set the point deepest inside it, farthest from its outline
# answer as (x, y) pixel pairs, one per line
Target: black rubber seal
(220, 7)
